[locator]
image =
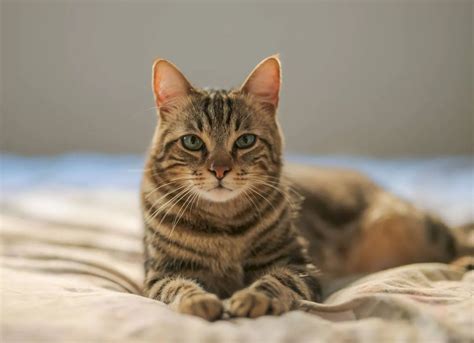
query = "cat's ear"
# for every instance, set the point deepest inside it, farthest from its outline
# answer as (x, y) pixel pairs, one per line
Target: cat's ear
(169, 84)
(263, 83)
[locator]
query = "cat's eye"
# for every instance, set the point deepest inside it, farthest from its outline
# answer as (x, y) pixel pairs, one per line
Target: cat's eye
(245, 141)
(192, 142)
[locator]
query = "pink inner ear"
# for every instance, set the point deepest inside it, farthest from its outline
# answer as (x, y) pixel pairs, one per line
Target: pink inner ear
(264, 82)
(169, 84)
(168, 91)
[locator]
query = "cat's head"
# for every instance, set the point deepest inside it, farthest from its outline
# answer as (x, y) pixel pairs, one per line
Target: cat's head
(222, 144)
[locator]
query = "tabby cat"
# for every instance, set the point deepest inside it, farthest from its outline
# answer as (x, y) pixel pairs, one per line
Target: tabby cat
(224, 221)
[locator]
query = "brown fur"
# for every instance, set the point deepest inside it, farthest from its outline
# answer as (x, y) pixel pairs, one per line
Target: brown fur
(355, 227)
(223, 221)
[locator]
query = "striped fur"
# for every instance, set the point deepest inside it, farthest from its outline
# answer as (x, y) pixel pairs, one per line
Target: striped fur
(355, 227)
(240, 237)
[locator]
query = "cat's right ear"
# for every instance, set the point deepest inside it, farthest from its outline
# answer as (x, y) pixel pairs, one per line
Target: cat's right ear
(263, 83)
(169, 85)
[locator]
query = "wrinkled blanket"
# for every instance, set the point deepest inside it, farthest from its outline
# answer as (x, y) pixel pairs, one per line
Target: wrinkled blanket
(71, 271)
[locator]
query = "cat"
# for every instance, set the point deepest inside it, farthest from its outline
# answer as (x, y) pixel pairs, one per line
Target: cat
(225, 220)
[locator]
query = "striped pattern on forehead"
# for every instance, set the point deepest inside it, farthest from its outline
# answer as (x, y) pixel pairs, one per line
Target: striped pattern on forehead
(219, 110)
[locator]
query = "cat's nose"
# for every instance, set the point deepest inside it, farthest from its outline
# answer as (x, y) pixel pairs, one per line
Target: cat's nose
(219, 170)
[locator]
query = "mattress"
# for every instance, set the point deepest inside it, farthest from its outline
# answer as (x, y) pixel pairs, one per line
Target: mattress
(72, 269)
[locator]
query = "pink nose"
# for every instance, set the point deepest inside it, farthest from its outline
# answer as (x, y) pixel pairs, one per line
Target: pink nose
(219, 171)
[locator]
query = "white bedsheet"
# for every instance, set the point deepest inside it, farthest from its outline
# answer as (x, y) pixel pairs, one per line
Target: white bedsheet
(71, 272)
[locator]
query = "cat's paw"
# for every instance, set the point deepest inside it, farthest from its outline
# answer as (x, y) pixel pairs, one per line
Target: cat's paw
(205, 305)
(253, 304)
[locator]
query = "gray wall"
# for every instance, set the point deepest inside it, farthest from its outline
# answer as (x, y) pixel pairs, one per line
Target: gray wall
(380, 77)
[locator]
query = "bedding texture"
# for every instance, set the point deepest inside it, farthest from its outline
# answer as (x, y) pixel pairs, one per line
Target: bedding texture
(72, 265)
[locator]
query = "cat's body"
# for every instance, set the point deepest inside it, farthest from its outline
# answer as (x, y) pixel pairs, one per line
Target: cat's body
(224, 219)
(356, 227)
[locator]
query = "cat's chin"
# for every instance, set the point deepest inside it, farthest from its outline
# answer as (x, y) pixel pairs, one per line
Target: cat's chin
(219, 195)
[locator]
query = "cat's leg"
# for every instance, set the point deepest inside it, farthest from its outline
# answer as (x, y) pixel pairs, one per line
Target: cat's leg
(183, 295)
(275, 291)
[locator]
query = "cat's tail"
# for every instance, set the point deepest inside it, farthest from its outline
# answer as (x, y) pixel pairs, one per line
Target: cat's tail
(464, 236)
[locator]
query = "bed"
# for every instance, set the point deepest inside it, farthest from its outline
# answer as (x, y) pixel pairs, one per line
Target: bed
(72, 266)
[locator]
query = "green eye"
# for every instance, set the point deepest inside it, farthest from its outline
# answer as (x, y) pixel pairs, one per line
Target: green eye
(245, 141)
(192, 142)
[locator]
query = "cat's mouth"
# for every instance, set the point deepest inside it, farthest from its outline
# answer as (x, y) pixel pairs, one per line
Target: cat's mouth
(219, 193)
(221, 186)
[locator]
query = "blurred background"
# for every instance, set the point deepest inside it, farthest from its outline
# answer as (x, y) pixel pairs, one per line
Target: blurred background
(375, 78)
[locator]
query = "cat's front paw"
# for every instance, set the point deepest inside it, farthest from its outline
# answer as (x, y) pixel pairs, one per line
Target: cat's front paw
(253, 304)
(204, 305)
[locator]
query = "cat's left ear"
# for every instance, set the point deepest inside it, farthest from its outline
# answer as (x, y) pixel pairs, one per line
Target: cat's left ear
(169, 85)
(263, 83)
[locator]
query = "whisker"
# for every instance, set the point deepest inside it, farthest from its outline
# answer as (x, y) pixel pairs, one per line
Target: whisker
(180, 191)
(169, 205)
(277, 181)
(180, 214)
(167, 184)
(166, 194)
(251, 199)
(283, 193)
(182, 210)
(253, 190)
(183, 195)
(194, 201)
